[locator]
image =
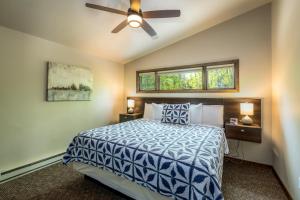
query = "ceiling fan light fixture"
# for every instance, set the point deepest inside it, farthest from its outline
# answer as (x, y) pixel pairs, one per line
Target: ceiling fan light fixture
(134, 20)
(135, 16)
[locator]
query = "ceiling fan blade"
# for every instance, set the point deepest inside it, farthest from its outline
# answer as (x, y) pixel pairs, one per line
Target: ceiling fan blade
(135, 5)
(148, 29)
(112, 10)
(120, 26)
(162, 13)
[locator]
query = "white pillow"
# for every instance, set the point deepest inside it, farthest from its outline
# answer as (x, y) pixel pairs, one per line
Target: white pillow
(157, 111)
(148, 111)
(213, 115)
(196, 113)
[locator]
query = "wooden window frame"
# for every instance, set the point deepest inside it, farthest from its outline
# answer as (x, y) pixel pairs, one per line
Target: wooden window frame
(236, 88)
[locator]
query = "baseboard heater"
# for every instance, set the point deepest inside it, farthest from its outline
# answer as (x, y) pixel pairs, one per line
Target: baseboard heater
(28, 168)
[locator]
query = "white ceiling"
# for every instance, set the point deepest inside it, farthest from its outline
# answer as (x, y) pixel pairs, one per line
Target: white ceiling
(70, 23)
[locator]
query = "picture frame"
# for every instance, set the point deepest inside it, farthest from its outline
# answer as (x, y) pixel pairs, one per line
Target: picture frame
(68, 82)
(234, 121)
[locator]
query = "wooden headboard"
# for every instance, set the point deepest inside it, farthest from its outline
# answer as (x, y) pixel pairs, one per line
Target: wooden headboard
(231, 105)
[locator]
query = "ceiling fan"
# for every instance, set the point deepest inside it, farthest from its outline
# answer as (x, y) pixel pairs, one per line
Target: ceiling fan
(135, 16)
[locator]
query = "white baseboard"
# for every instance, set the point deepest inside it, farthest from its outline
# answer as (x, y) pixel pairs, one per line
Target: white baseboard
(11, 174)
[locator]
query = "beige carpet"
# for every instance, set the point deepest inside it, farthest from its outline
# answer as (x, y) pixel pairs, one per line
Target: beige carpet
(241, 181)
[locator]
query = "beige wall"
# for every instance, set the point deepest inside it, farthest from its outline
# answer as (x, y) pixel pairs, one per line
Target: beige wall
(248, 38)
(31, 128)
(286, 90)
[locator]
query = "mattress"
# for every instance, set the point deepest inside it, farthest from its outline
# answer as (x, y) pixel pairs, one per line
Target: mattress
(177, 161)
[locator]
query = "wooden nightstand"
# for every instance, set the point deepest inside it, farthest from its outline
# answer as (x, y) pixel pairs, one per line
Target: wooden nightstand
(243, 132)
(127, 117)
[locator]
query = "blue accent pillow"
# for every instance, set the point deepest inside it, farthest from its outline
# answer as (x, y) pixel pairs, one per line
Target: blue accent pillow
(176, 113)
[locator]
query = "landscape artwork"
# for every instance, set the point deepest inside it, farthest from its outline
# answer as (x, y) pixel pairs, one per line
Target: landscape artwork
(69, 83)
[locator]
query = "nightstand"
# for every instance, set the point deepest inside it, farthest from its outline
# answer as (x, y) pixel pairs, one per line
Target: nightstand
(243, 132)
(127, 117)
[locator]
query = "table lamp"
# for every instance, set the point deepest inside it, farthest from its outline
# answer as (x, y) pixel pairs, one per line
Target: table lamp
(130, 106)
(247, 109)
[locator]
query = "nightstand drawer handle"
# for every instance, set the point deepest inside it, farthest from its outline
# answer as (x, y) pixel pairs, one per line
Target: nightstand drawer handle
(125, 117)
(243, 131)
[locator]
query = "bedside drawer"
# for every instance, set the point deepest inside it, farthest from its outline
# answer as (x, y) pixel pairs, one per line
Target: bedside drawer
(251, 134)
(128, 117)
(125, 118)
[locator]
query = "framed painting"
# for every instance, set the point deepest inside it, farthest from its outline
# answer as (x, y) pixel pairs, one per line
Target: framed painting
(69, 83)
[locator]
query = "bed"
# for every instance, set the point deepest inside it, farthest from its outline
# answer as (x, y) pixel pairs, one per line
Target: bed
(147, 159)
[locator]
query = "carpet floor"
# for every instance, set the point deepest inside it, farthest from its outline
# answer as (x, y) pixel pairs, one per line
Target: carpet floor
(241, 181)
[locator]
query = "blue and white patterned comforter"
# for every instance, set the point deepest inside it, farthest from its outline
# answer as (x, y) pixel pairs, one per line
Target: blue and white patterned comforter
(179, 161)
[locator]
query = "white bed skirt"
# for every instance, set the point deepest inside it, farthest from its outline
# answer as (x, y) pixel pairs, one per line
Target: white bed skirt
(118, 183)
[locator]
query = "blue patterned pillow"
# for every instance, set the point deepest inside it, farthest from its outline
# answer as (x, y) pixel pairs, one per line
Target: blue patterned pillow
(176, 113)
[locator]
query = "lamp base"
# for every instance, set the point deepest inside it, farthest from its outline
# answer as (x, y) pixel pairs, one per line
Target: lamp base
(247, 120)
(130, 111)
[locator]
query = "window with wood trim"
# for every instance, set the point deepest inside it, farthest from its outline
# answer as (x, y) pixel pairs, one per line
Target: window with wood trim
(209, 77)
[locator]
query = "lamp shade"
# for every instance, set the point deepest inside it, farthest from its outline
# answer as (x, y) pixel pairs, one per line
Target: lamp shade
(246, 108)
(130, 103)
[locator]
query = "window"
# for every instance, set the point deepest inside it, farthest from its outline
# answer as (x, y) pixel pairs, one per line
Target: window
(209, 77)
(220, 77)
(147, 81)
(184, 79)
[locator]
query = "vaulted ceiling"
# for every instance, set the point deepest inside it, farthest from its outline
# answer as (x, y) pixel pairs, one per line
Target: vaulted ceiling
(70, 23)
